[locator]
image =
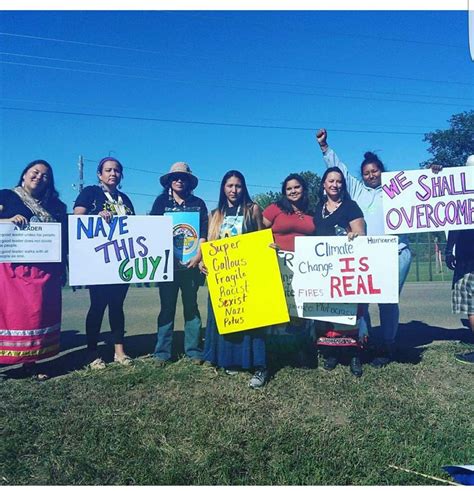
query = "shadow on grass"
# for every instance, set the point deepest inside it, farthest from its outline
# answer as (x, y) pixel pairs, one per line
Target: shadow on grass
(74, 355)
(418, 334)
(413, 338)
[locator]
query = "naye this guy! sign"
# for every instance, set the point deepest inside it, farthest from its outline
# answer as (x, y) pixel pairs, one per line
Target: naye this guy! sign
(129, 249)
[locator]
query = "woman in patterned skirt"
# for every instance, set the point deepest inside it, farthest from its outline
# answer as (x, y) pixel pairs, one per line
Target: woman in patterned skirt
(30, 293)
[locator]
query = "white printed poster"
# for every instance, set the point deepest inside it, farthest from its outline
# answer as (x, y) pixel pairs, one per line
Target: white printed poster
(38, 242)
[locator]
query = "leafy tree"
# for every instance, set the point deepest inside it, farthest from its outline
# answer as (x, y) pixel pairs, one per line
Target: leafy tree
(451, 147)
(313, 180)
(265, 199)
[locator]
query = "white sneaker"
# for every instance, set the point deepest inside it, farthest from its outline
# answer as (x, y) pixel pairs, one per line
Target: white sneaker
(258, 379)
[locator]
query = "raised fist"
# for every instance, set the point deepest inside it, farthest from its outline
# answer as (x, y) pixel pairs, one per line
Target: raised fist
(321, 137)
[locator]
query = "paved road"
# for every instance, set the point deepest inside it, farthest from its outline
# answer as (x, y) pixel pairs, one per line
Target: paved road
(425, 315)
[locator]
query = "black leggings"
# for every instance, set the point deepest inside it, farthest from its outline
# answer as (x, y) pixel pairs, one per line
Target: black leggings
(103, 296)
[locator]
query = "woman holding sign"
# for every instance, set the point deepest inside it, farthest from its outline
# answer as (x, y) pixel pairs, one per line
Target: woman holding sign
(368, 195)
(337, 214)
(106, 201)
(236, 214)
(30, 294)
(288, 218)
(189, 214)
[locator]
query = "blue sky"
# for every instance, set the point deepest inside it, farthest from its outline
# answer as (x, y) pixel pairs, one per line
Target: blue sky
(263, 82)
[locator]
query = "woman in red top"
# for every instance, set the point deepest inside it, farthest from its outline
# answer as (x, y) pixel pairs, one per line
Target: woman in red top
(288, 218)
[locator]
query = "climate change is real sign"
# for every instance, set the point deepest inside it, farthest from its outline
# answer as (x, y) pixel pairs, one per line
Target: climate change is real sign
(337, 270)
(129, 249)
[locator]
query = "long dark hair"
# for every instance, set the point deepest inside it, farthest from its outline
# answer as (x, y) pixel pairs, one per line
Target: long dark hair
(284, 203)
(218, 214)
(322, 193)
(371, 158)
(50, 192)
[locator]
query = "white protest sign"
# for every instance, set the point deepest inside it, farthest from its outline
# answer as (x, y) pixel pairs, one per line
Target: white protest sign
(336, 270)
(38, 242)
(342, 313)
(130, 249)
(421, 201)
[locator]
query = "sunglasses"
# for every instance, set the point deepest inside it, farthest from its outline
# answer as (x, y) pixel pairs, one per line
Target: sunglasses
(177, 178)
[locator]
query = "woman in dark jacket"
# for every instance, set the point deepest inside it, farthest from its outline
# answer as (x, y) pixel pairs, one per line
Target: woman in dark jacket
(177, 197)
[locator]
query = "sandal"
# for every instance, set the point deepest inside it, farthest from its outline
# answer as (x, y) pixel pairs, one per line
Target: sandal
(97, 364)
(30, 370)
(124, 360)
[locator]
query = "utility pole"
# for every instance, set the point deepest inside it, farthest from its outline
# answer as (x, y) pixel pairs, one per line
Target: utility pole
(80, 165)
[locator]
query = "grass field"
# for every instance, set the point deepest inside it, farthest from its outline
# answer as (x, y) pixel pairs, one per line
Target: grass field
(424, 273)
(187, 424)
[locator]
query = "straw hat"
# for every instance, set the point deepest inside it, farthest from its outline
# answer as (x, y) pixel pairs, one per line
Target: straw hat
(179, 168)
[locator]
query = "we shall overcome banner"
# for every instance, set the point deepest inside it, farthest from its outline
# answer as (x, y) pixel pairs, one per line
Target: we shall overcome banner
(344, 313)
(38, 242)
(334, 269)
(421, 201)
(129, 249)
(244, 282)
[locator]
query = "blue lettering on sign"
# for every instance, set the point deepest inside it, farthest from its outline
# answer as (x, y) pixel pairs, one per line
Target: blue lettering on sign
(116, 223)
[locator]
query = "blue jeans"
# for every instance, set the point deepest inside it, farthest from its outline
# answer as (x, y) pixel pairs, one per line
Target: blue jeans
(390, 312)
(188, 281)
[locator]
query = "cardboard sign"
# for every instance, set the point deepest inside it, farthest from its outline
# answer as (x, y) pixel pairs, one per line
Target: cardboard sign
(336, 270)
(244, 282)
(342, 313)
(421, 201)
(185, 235)
(130, 249)
(38, 242)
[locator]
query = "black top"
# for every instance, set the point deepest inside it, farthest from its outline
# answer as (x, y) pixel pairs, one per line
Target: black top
(464, 240)
(192, 203)
(348, 210)
(94, 200)
(11, 204)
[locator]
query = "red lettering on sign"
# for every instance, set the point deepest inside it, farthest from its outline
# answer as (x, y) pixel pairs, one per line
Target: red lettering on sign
(364, 266)
(335, 285)
(347, 268)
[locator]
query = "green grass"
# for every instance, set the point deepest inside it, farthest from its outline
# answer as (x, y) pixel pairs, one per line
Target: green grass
(424, 274)
(186, 424)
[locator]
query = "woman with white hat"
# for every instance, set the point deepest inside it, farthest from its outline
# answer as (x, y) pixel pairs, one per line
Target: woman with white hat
(177, 196)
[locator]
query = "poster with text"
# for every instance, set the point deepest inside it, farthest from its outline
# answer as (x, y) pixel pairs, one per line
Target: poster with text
(38, 242)
(244, 282)
(185, 236)
(129, 249)
(344, 313)
(339, 270)
(422, 201)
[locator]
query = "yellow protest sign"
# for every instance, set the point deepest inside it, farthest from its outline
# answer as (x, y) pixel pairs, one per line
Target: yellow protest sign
(244, 282)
